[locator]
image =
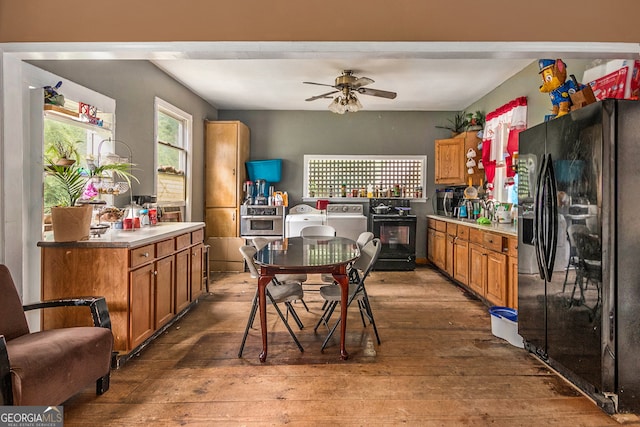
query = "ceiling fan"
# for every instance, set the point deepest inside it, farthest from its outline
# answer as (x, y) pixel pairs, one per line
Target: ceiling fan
(348, 85)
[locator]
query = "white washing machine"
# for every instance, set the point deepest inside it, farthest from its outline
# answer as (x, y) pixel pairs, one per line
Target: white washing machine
(301, 216)
(348, 219)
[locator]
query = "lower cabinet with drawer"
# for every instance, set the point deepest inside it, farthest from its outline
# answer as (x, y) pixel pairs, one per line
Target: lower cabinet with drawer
(147, 286)
(485, 262)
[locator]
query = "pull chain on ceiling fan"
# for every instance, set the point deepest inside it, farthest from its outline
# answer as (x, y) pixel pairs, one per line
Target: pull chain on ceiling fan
(347, 85)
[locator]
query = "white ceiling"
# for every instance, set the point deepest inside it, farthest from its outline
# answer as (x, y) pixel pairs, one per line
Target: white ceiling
(276, 84)
(427, 76)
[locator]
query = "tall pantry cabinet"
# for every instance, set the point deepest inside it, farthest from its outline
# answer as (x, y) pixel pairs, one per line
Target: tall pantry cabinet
(226, 151)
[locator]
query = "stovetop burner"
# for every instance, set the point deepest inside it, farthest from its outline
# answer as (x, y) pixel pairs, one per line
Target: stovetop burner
(392, 203)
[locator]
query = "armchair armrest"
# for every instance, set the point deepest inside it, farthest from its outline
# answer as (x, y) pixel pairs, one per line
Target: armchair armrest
(97, 305)
(6, 393)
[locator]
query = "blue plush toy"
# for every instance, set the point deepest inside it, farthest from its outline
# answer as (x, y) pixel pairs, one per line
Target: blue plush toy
(51, 95)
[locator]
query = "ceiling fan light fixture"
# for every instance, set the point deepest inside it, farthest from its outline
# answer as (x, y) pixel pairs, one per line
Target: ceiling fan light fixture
(353, 104)
(336, 105)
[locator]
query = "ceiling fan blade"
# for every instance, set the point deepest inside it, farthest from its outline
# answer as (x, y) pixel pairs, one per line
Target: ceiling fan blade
(361, 81)
(324, 95)
(377, 92)
(318, 84)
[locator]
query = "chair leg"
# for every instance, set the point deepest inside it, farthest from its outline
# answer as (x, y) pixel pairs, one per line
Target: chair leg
(367, 306)
(326, 315)
(102, 384)
(252, 315)
(294, 314)
(293, 335)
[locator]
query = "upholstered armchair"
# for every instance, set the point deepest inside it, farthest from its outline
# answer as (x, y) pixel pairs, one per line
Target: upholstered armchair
(46, 368)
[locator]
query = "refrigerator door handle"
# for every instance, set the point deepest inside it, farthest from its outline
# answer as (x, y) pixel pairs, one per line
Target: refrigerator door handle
(538, 242)
(552, 219)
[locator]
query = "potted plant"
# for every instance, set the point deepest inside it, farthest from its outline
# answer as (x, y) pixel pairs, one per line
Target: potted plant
(63, 152)
(71, 220)
(458, 124)
(475, 120)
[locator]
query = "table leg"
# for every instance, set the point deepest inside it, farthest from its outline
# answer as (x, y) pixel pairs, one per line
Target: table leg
(343, 281)
(263, 281)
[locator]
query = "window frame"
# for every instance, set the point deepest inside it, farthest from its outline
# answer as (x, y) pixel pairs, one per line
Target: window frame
(164, 107)
(422, 179)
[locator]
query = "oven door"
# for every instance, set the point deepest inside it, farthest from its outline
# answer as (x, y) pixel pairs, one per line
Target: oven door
(261, 225)
(397, 235)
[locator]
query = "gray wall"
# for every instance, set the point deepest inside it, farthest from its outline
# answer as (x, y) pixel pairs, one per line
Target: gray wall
(290, 135)
(134, 85)
(526, 83)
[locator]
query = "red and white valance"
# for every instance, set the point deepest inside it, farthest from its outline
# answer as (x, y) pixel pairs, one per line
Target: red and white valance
(500, 137)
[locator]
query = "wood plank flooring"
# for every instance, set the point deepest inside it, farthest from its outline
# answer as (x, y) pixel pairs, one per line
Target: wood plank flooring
(438, 365)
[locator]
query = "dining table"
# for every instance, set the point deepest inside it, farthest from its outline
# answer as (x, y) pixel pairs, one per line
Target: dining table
(308, 255)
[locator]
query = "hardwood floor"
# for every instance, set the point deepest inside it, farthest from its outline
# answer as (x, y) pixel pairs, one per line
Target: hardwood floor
(438, 365)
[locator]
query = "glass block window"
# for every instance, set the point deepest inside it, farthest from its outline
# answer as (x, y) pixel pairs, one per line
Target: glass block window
(364, 176)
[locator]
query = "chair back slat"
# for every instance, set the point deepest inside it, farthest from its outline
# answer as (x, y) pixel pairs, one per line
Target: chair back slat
(368, 257)
(247, 253)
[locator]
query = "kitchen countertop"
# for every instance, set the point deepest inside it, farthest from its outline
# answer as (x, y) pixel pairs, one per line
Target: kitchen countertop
(507, 229)
(129, 239)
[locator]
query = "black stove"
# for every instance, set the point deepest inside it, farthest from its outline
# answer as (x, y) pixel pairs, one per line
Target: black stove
(396, 229)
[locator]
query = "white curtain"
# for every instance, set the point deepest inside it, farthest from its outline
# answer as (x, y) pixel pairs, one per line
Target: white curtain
(500, 140)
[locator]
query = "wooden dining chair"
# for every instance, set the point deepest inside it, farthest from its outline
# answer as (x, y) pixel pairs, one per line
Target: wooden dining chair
(276, 292)
(357, 292)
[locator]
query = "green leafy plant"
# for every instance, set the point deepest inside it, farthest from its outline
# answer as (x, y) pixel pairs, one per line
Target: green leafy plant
(62, 149)
(122, 170)
(458, 124)
(476, 119)
(72, 179)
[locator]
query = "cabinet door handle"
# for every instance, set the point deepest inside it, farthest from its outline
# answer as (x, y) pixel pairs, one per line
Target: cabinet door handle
(155, 272)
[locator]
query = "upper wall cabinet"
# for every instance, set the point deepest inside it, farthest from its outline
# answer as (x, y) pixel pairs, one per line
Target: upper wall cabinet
(451, 157)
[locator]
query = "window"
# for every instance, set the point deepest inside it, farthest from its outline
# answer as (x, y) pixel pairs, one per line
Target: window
(173, 156)
(364, 176)
(64, 126)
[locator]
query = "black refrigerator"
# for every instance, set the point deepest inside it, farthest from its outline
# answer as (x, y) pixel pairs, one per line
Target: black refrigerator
(579, 249)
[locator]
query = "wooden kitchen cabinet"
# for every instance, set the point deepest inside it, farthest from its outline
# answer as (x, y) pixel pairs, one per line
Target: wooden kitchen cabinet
(497, 278)
(146, 278)
(488, 259)
(183, 281)
(164, 285)
(449, 254)
(226, 151)
(436, 241)
(141, 315)
(197, 272)
(451, 159)
(222, 222)
(512, 281)
(461, 255)
(485, 262)
(478, 269)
